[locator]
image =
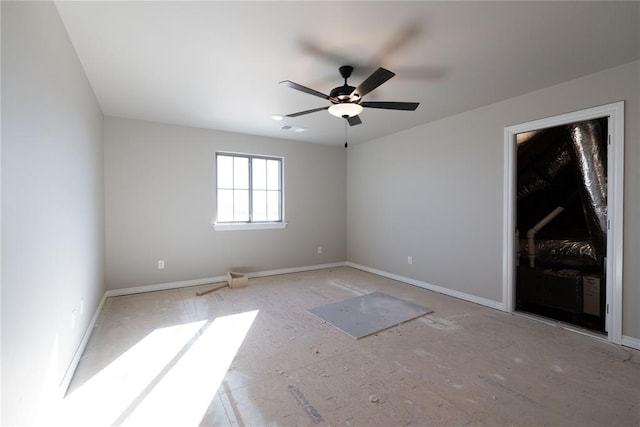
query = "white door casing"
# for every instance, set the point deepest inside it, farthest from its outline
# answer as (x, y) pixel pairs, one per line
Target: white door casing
(615, 194)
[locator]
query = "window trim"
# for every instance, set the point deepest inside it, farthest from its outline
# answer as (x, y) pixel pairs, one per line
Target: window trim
(234, 226)
(251, 225)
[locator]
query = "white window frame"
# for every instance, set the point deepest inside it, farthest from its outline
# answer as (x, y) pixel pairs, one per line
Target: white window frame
(251, 225)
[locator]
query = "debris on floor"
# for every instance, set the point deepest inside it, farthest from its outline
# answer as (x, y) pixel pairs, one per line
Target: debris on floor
(234, 280)
(302, 400)
(208, 291)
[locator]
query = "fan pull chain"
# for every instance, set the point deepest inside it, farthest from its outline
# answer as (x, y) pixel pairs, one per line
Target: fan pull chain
(346, 144)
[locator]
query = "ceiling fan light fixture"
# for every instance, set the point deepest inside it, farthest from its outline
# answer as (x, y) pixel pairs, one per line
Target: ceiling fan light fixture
(345, 109)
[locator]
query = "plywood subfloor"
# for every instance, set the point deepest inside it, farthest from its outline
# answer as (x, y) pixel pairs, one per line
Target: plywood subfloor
(255, 356)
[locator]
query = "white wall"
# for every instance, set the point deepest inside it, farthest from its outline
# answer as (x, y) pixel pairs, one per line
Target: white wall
(435, 191)
(52, 207)
(160, 205)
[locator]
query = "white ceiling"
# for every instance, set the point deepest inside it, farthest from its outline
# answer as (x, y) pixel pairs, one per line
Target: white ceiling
(217, 64)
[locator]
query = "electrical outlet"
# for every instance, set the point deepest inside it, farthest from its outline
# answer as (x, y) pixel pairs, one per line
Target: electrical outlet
(409, 260)
(319, 249)
(160, 265)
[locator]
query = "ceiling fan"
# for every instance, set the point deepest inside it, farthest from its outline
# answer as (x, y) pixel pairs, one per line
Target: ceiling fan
(346, 101)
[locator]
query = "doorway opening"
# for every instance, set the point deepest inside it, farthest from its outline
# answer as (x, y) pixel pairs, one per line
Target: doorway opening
(563, 219)
(561, 216)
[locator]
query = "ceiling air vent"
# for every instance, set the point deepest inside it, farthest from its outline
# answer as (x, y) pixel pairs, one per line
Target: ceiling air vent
(292, 128)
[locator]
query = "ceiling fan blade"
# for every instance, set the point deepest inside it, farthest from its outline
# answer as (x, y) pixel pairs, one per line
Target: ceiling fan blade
(378, 77)
(354, 120)
(302, 113)
(316, 49)
(400, 39)
(304, 89)
(407, 106)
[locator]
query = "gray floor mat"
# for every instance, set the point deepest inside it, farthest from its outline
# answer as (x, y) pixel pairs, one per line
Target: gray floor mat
(368, 314)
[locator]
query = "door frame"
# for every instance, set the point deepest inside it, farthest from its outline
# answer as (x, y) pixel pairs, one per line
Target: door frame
(615, 197)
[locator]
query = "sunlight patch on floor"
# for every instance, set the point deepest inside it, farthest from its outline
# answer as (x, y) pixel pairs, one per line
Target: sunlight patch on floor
(168, 378)
(184, 394)
(103, 398)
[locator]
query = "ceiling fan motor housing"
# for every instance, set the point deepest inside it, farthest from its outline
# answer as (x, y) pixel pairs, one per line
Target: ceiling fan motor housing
(342, 93)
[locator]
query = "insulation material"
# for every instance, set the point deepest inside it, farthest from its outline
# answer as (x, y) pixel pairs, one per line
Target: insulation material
(544, 172)
(573, 253)
(590, 161)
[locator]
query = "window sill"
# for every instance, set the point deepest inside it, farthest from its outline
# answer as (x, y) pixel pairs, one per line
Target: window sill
(249, 226)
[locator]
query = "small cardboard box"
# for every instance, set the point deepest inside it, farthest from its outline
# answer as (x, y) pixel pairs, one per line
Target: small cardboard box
(591, 295)
(237, 280)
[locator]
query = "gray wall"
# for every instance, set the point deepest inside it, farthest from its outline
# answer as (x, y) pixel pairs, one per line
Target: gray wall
(435, 191)
(160, 204)
(52, 207)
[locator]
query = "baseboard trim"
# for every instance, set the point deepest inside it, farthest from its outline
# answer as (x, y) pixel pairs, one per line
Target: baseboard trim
(631, 342)
(64, 385)
(626, 340)
(71, 369)
(164, 286)
(445, 291)
(296, 269)
(218, 279)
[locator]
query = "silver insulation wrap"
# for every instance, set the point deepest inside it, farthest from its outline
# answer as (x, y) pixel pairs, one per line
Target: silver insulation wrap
(574, 253)
(539, 180)
(589, 158)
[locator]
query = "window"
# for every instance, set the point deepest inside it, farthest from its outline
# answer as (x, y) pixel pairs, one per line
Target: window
(249, 191)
